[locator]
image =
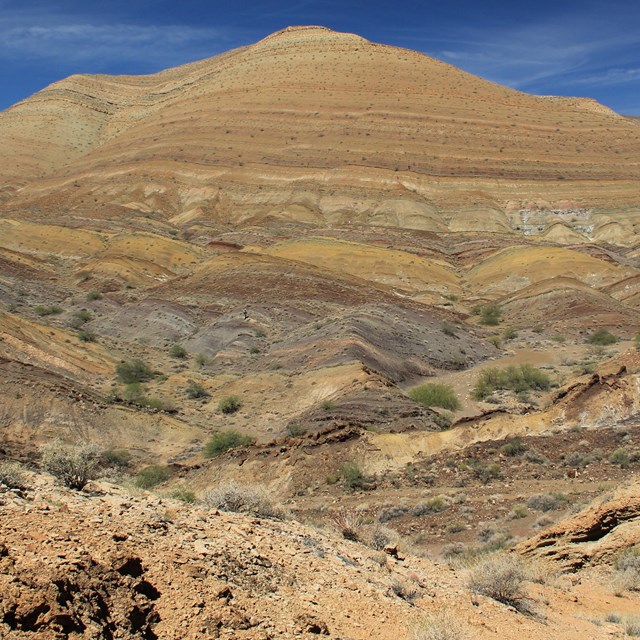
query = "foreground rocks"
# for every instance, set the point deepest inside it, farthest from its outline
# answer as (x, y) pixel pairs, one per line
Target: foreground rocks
(107, 564)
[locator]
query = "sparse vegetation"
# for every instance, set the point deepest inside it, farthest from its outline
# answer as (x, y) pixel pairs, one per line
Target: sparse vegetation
(51, 310)
(434, 504)
(94, 295)
(510, 333)
(295, 429)
(379, 537)
(349, 523)
(516, 378)
(12, 475)
(546, 502)
(602, 337)
(152, 476)
(178, 351)
(224, 441)
(73, 465)
(501, 576)
(184, 494)
(490, 313)
(352, 476)
(229, 405)
(514, 447)
(442, 626)
(432, 394)
(627, 571)
(195, 390)
(241, 498)
(448, 329)
(404, 590)
(328, 405)
(620, 457)
(119, 458)
(133, 372)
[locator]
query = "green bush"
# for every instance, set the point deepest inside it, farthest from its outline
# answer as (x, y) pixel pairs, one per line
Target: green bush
(433, 394)
(178, 351)
(134, 371)
(295, 429)
(119, 458)
(620, 457)
(490, 313)
(510, 333)
(352, 476)
(87, 336)
(53, 310)
(518, 378)
(152, 476)
(79, 318)
(195, 390)
(514, 447)
(184, 494)
(94, 295)
(224, 441)
(436, 504)
(636, 341)
(229, 405)
(602, 337)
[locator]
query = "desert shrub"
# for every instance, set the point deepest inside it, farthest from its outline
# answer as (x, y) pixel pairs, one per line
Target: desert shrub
(178, 351)
(229, 405)
(501, 577)
(133, 371)
(79, 318)
(627, 571)
(12, 475)
(328, 405)
(441, 626)
(119, 458)
(490, 314)
(432, 394)
(195, 390)
(632, 626)
(514, 447)
(546, 502)
(510, 333)
(436, 504)
(51, 310)
(201, 359)
(295, 429)
(87, 336)
(404, 590)
(636, 341)
(485, 472)
(518, 378)
(519, 511)
(94, 295)
(352, 476)
(152, 476)
(349, 523)
(74, 466)
(241, 498)
(184, 494)
(224, 441)
(560, 338)
(379, 537)
(602, 337)
(390, 513)
(448, 329)
(620, 457)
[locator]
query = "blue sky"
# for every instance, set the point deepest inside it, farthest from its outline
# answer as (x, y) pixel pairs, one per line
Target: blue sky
(580, 48)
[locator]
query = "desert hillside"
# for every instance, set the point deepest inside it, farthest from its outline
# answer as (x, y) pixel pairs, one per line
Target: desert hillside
(297, 339)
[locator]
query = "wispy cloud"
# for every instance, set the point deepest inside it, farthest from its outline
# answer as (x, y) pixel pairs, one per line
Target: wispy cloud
(52, 39)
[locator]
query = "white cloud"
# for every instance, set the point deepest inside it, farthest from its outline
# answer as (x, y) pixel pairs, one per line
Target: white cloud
(81, 42)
